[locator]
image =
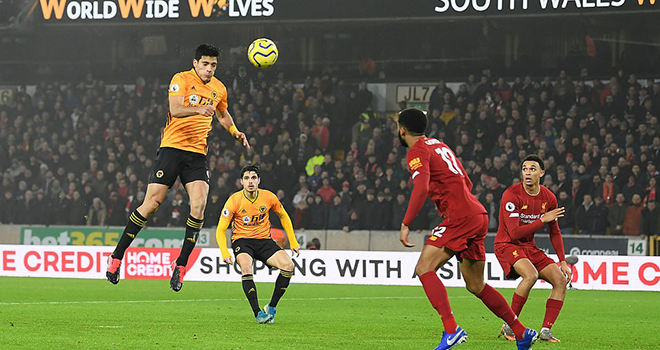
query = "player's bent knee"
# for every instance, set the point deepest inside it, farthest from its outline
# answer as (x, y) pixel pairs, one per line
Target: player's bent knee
(531, 277)
(560, 282)
(475, 287)
(422, 268)
(197, 206)
(287, 266)
(150, 206)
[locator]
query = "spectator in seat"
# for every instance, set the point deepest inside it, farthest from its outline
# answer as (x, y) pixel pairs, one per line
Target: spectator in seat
(116, 210)
(354, 222)
(42, 209)
(370, 214)
(650, 224)
(577, 192)
(617, 214)
(317, 212)
(301, 217)
(585, 216)
(631, 224)
(326, 192)
(383, 207)
(650, 193)
(631, 188)
(599, 216)
(337, 215)
(26, 209)
(301, 196)
(610, 190)
(493, 210)
(566, 223)
(97, 213)
(78, 210)
(399, 207)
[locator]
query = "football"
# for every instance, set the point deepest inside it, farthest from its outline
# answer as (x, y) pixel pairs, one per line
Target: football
(262, 53)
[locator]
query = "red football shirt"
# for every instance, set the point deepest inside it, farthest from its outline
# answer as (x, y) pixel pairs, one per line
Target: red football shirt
(438, 174)
(520, 215)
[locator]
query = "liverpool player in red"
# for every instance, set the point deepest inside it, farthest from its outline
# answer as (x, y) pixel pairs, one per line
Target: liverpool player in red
(524, 209)
(438, 174)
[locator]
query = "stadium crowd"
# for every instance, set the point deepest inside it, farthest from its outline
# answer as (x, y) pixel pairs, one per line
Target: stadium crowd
(80, 153)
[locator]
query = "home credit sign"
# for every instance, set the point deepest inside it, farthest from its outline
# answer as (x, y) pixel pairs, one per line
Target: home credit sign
(334, 267)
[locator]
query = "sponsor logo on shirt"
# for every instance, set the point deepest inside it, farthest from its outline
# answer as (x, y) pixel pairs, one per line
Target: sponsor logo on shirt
(529, 218)
(415, 164)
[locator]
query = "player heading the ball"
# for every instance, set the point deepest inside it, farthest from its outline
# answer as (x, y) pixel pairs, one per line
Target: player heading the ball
(195, 96)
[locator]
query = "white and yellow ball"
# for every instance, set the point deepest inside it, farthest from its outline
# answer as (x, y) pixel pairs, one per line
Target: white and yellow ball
(262, 53)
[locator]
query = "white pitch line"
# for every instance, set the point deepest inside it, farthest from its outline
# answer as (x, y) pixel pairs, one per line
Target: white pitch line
(203, 300)
(111, 326)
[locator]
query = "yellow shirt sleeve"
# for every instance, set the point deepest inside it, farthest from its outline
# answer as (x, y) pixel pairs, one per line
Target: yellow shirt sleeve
(224, 222)
(177, 86)
(286, 222)
(222, 104)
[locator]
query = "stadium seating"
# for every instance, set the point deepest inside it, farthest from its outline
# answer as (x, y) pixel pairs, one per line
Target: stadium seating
(80, 152)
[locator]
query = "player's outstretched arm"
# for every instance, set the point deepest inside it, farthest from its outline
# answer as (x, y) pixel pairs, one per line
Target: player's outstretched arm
(558, 242)
(221, 237)
(403, 237)
(418, 164)
(510, 208)
(227, 122)
(179, 110)
(288, 228)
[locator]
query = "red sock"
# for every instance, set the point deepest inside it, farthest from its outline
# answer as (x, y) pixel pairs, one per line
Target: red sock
(552, 309)
(517, 303)
(498, 305)
(437, 294)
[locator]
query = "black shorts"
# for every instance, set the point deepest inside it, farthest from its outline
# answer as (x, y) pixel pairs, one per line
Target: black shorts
(259, 249)
(172, 163)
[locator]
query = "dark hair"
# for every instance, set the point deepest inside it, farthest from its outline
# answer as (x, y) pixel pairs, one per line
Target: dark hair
(248, 168)
(414, 120)
(206, 50)
(533, 158)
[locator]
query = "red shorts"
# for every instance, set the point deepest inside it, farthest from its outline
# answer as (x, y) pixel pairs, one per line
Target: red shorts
(508, 254)
(465, 236)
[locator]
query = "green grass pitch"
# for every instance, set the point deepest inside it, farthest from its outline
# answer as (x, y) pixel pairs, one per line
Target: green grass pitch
(39, 313)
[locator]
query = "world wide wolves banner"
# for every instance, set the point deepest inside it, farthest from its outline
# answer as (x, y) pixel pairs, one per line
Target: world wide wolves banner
(163, 11)
(333, 267)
